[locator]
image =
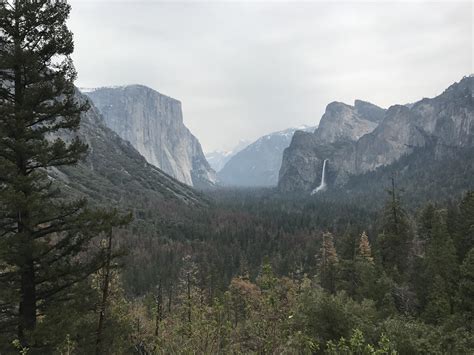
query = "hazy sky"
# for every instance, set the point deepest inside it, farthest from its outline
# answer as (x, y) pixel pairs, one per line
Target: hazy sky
(244, 68)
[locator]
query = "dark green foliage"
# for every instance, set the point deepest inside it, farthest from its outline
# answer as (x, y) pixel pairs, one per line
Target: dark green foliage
(240, 233)
(440, 251)
(45, 238)
(466, 289)
(424, 175)
(330, 317)
(435, 273)
(463, 233)
(439, 303)
(328, 263)
(395, 235)
(425, 222)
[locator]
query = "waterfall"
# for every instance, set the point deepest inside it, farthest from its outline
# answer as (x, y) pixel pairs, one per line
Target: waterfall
(322, 186)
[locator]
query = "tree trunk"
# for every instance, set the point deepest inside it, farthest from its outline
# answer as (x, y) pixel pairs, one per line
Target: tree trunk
(27, 308)
(170, 297)
(395, 216)
(188, 277)
(159, 309)
(105, 295)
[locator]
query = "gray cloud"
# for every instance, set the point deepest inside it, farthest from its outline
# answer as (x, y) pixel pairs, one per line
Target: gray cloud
(243, 69)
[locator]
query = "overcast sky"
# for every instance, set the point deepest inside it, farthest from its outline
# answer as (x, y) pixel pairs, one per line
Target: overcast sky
(243, 69)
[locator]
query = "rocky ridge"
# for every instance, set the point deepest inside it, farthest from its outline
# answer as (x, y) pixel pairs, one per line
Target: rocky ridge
(364, 137)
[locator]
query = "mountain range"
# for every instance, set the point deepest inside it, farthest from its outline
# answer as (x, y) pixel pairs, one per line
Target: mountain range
(139, 143)
(363, 138)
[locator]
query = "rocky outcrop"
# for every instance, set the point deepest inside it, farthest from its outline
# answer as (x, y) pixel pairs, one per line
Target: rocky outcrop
(340, 127)
(345, 122)
(364, 137)
(153, 124)
(259, 163)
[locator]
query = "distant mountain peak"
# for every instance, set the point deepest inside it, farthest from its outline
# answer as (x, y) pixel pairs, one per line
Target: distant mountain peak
(259, 163)
(218, 158)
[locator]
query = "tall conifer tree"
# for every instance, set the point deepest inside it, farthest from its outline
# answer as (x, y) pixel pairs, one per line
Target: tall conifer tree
(365, 250)
(464, 234)
(328, 263)
(44, 237)
(396, 235)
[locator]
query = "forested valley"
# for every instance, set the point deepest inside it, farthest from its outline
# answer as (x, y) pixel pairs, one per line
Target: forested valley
(96, 260)
(256, 273)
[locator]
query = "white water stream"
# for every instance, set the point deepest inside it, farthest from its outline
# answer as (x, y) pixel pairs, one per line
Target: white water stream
(323, 185)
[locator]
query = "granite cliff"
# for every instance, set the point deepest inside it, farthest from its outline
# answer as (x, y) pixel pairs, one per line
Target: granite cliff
(153, 124)
(114, 172)
(361, 138)
(345, 122)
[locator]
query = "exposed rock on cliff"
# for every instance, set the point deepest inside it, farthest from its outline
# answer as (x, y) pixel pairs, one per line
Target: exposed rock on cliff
(116, 174)
(364, 137)
(345, 122)
(153, 124)
(447, 119)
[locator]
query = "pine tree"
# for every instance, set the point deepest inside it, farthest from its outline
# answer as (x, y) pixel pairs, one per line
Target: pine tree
(44, 236)
(106, 277)
(328, 263)
(439, 303)
(365, 250)
(441, 253)
(187, 288)
(466, 289)
(464, 225)
(441, 270)
(364, 275)
(396, 235)
(425, 222)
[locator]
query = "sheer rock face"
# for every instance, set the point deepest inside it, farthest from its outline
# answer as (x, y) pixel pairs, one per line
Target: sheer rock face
(153, 124)
(364, 137)
(340, 127)
(301, 163)
(116, 173)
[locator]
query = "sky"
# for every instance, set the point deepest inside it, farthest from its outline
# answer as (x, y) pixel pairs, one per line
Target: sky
(243, 69)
